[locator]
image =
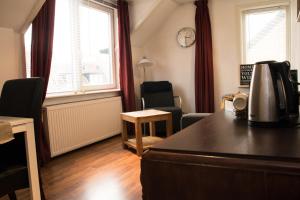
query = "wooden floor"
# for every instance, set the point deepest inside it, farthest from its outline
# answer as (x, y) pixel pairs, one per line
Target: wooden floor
(102, 171)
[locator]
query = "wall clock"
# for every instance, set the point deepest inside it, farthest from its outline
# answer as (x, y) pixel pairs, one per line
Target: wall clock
(186, 37)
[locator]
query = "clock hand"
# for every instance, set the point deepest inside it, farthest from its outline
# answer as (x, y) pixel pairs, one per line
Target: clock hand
(185, 39)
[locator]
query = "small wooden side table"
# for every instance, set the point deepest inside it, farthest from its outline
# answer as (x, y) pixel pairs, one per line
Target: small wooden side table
(138, 118)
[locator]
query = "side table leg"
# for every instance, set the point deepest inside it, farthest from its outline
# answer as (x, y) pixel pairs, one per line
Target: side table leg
(169, 125)
(152, 128)
(124, 134)
(139, 138)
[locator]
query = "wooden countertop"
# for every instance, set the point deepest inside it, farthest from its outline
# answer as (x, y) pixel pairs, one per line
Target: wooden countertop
(221, 134)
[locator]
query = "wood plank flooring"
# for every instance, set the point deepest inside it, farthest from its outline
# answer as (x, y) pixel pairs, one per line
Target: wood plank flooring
(102, 171)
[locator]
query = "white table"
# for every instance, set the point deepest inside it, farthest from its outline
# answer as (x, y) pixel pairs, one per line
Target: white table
(26, 125)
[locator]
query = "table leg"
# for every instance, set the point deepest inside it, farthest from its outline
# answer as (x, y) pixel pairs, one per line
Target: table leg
(32, 162)
(139, 138)
(152, 128)
(169, 125)
(144, 129)
(124, 133)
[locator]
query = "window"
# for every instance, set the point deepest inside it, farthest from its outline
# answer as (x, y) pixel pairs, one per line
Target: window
(83, 48)
(265, 34)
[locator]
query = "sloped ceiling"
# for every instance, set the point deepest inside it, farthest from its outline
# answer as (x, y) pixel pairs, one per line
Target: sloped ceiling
(16, 14)
(146, 25)
(147, 16)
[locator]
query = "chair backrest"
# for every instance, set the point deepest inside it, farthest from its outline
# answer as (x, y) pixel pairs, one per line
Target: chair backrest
(22, 98)
(157, 94)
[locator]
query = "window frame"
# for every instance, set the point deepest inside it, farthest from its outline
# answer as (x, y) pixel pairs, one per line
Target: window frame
(114, 85)
(93, 89)
(256, 8)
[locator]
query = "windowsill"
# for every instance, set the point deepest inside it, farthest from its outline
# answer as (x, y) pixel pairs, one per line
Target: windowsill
(64, 98)
(72, 94)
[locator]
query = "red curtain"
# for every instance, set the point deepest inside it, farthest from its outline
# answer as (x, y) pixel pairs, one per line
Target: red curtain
(204, 80)
(126, 72)
(41, 55)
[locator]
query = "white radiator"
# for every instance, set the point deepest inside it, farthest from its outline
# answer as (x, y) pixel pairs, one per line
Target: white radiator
(73, 125)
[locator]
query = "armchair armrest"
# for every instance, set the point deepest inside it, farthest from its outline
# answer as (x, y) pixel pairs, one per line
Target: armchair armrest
(180, 100)
(143, 103)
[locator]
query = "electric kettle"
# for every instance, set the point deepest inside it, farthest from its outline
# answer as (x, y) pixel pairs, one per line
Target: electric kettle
(273, 98)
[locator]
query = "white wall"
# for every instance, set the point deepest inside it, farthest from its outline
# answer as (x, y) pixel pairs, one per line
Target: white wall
(226, 42)
(146, 17)
(226, 47)
(137, 54)
(15, 18)
(139, 10)
(177, 64)
(9, 55)
(172, 62)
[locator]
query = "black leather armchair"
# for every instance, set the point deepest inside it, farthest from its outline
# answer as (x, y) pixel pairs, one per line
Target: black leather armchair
(19, 98)
(159, 95)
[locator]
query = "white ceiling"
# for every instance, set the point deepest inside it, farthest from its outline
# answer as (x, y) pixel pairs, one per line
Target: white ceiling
(15, 14)
(154, 19)
(18, 14)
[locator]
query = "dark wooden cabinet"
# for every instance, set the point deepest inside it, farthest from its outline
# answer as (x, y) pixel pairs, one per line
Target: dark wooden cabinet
(283, 186)
(223, 158)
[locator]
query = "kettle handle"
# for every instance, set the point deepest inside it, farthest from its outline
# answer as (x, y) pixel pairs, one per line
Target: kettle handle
(284, 71)
(282, 99)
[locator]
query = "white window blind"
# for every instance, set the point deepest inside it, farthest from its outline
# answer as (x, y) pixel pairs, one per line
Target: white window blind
(265, 34)
(83, 56)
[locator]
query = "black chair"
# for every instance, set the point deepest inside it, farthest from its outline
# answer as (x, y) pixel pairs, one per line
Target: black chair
(19, 98)
(159, 95)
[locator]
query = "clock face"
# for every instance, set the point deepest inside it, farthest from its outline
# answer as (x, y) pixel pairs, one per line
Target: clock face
(186, 37)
